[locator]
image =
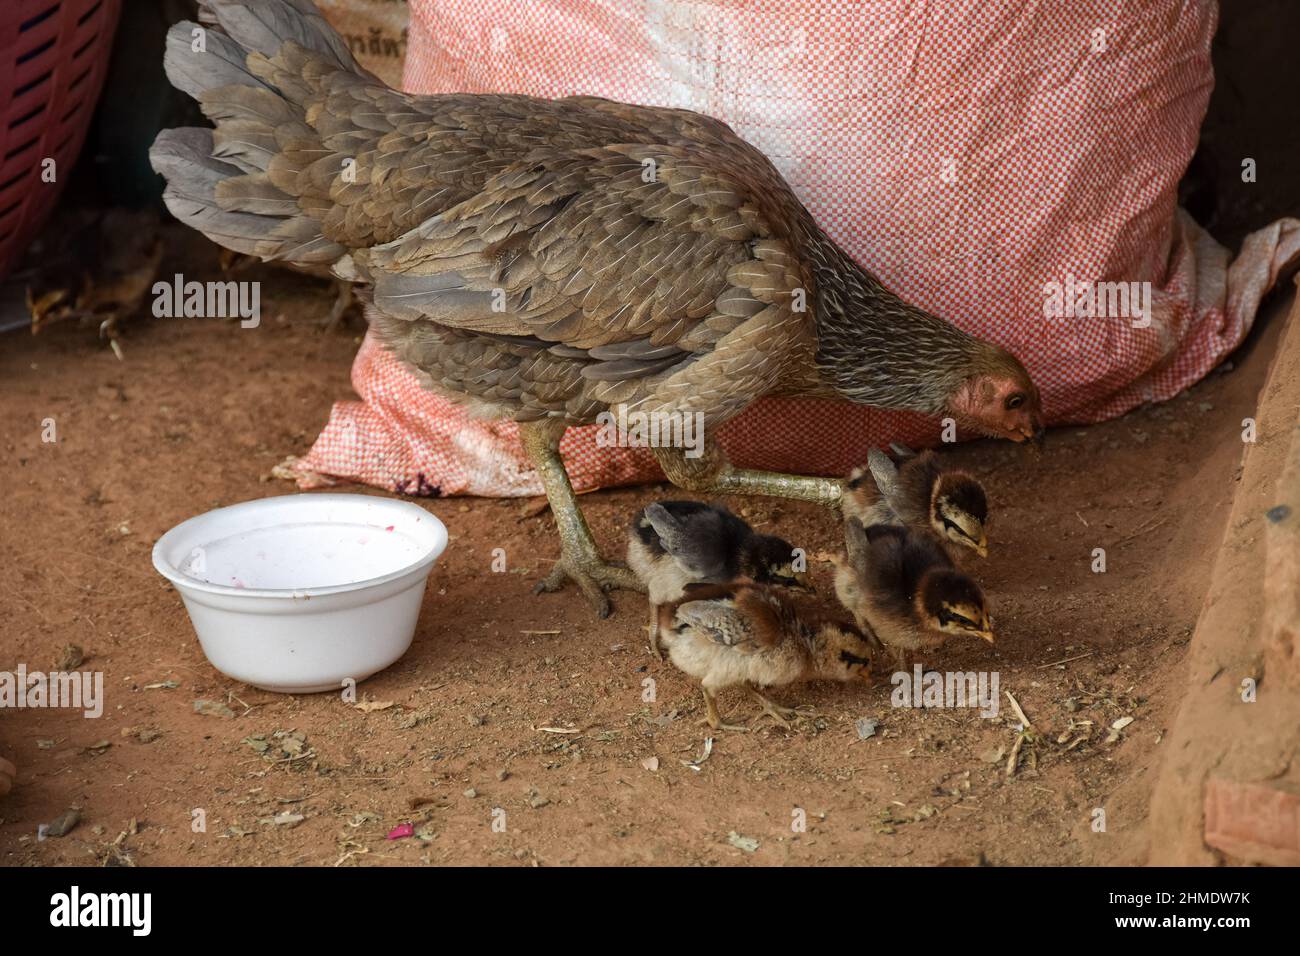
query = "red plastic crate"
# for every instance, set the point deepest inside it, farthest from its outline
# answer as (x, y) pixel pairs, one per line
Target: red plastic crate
(53, 57)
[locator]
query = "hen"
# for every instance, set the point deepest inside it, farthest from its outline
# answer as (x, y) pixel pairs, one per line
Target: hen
(548, 260)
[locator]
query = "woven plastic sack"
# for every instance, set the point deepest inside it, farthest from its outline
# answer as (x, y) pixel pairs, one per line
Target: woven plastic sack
(968, 152)
(375, 32)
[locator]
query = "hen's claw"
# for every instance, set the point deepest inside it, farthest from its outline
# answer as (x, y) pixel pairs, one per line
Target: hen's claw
(593, 577)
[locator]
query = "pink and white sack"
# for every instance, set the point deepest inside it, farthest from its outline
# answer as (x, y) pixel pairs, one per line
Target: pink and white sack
(992, 161)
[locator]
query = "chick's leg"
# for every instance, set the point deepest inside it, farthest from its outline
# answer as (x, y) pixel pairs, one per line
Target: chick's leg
(782, 715)
(713, 717)
(655, 647)
(711, 473)
(579, 562)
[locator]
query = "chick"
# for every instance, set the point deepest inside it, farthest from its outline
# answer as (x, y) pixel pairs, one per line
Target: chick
(921, 495)
(752, 635)
(112, 258)
(904, 587)
(676, 543)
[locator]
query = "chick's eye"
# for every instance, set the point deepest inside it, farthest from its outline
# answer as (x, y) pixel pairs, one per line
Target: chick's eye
(954, 526)
(947, 616)
(1015, 401)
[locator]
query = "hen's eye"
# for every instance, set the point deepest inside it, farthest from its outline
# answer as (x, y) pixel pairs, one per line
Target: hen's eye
(1015, 401)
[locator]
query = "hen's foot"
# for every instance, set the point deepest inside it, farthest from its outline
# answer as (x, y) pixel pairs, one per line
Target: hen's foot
(593, 577)
(711, 473)
(580, 562)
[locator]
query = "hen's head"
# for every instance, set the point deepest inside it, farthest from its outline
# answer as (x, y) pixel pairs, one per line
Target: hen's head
(998, 399)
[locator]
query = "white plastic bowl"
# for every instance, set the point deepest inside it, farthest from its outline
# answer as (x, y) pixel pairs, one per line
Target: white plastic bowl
(298, 593)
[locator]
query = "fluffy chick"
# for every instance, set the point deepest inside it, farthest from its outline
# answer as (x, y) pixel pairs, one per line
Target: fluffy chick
(752, 635)
(676, 543)
(921, 495)
(904, 587)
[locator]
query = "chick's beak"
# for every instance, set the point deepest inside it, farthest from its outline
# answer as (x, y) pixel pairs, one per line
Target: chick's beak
(802, 582)
(982, 548)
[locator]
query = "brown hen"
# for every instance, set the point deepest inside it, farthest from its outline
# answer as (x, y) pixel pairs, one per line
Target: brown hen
(548, 260)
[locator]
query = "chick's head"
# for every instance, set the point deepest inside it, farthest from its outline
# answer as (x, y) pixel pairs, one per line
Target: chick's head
(860, 491)
(843, 653)
(959, 510)
(949, 602)
(768, 559)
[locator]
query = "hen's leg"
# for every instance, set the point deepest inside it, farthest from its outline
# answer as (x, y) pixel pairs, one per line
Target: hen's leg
(711, 473)
(344, 300)
(579, 562)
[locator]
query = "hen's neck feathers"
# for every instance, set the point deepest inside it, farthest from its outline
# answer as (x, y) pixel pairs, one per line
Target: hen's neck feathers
(875, 349)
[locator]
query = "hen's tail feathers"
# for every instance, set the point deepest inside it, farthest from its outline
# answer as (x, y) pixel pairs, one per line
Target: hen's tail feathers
(260, 183)
(265, 25)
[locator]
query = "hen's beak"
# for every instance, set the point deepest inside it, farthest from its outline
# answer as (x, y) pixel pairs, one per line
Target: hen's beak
(1031, 434)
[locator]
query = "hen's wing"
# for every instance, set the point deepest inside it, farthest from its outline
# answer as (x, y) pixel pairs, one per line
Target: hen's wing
(649, 273)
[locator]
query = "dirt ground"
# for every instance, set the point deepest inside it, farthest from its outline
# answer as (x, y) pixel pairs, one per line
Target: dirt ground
(201, 411)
